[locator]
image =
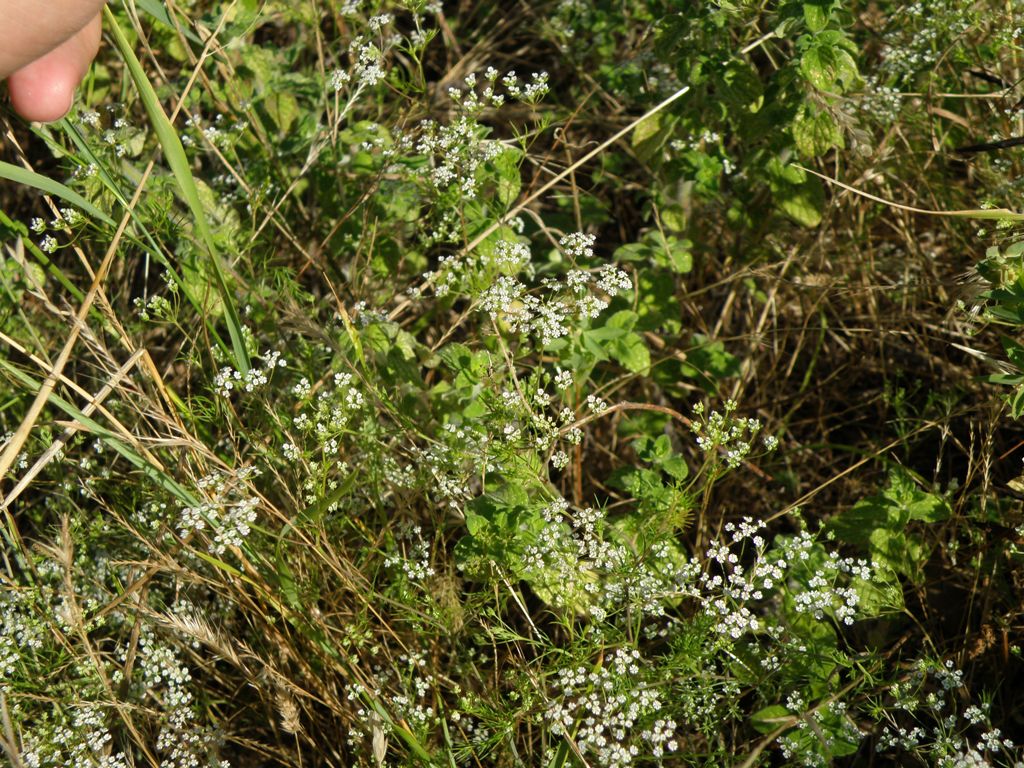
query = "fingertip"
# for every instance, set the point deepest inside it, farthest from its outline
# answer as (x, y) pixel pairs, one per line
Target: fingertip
(41, 92)
(44, 90)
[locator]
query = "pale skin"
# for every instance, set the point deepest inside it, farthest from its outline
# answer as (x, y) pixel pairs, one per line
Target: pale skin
(46, 47)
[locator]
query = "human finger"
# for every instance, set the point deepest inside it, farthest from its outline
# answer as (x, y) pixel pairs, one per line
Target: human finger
(32, 28)
(44, 89)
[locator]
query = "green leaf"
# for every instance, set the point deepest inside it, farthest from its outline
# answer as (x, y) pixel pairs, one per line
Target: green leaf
(671, 252)
(674, 218)
(815, 133)
(650, 135)
(709, 362)
(475, 522)
(1014, 352)
(877, 524)
(646, 129)
(632, 252)
(798, 195)
(804, 203)
(880, 596)
(283, 108)
(770, 718)
(509, 180)
(815, 17)
(658, 306)
(1017, 403)
(676, 467)
(654, 450)
(740, 88)
(624, 320)
(826, 65)
(156, 9)
(632, 352)
(680, 257)
(458, 357)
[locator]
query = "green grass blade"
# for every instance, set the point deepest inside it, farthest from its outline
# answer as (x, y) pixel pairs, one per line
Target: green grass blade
(72, 132)
(45, 184)
(156, 9)
(109, 438)
(176, 158)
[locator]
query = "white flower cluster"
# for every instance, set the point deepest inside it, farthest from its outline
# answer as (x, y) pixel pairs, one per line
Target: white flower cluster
(78, 733)
(457, 151)
(89, 118)
(575, 561)
(707, 139)
(120, 138)
(879, 101)
(454, 273)
(49, 244)
(228, 512)
(74, 734)
(731, 436)
(580, 568)
(66, 217)
(610, 714)
(415, 562)
(935, 690)
(563, 379)
(20, 630)
(921, 34)
(530, 93)
(821, 594)
(454, 459)
(405, 688)
(550, 317)
(219, 132)
(811, 727)
(473, 102)
(158, 306)
(578, 245)
(332, 410)
(367, 58)
(228, 378)
(181, 742)
(81, 739)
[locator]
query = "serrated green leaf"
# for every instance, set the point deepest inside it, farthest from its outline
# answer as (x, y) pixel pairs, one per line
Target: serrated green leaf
(632, 352)
(815, 17)
(509, 179)
(827, 64)
(815, 134)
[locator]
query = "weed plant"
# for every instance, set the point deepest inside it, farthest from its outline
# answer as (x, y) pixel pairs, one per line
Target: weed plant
(570, 383)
